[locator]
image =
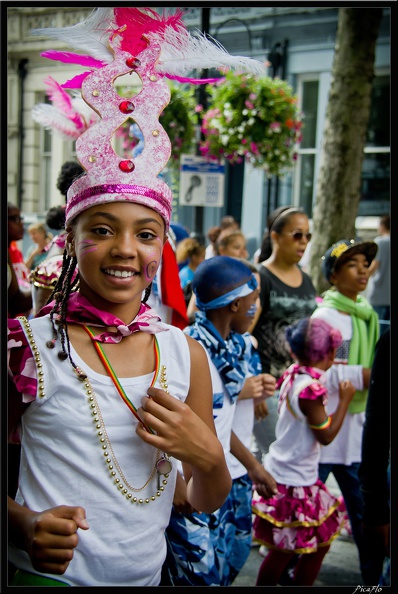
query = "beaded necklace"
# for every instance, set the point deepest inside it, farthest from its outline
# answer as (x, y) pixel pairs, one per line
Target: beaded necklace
(162, 465)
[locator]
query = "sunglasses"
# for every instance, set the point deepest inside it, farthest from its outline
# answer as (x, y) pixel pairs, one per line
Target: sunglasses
(298, 235)
(15, 219)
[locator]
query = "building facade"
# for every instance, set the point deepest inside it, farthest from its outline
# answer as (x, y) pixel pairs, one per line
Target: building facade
(297, 41)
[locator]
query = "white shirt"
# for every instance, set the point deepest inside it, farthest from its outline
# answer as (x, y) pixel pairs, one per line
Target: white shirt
(64, 464)
(346, 446)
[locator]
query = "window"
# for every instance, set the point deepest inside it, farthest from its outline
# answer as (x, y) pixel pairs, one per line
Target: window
(307, 151)
(45, 173)
(375, 179)
(375, 183)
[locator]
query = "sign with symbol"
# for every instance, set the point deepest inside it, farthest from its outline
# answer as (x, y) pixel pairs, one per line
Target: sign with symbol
(201, 182)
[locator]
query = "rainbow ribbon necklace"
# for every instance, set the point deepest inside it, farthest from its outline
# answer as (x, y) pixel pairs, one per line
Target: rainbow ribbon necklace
(115, 379)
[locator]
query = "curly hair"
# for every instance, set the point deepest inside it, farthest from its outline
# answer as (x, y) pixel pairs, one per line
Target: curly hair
(70, 170)
(311, 339)
(189, 247)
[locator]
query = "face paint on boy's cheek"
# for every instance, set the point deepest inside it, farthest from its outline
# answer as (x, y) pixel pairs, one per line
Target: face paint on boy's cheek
(86, 246)
(252, 310)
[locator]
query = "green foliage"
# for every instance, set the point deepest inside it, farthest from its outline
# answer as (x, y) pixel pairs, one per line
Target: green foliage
(254, 119)
(178, 119)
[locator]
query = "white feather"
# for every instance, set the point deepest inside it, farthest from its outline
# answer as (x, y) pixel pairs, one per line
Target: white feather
(181, 52)
(80, 106)
(53, 119)
(90, 36)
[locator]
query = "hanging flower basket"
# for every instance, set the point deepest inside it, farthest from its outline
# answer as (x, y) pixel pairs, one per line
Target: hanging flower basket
(252, 119)
(178, 119)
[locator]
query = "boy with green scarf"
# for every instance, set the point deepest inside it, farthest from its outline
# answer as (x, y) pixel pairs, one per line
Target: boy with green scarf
(345, 265)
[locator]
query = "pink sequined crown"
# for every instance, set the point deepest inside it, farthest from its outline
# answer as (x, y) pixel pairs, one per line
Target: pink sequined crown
(124, 40)
(109, 177)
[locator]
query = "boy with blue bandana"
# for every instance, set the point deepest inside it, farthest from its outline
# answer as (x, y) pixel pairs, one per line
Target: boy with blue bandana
(200, 547)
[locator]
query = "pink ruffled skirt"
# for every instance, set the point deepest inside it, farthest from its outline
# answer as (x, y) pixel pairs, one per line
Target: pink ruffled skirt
(298, 519)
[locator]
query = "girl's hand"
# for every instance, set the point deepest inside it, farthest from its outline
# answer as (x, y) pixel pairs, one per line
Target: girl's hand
(50, 537)
(179, 431)
(253, 387)
(346, 390)
(269, 384)
(263, 482)
(261, 410)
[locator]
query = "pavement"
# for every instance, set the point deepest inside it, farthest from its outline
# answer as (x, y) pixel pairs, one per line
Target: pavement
(340, 567)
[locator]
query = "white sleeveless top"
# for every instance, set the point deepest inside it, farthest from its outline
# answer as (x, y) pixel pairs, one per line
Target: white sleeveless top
(63, 463)
(293, 457)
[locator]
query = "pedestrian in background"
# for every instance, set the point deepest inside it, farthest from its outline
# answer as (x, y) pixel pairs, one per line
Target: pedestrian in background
(257, 388)
(227, 222)
(232, 242)
(265, 249)
(15, 232)
(378, 290)
(345, 266)
(303, 517)
(41, 237)
(287, 294)
(192, 252)
(210, 549)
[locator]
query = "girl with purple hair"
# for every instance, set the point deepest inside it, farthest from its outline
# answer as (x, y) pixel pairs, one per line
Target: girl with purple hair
(303, 517)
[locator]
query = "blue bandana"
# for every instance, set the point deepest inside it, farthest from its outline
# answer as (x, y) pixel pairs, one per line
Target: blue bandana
(228, 298)
(228, 356)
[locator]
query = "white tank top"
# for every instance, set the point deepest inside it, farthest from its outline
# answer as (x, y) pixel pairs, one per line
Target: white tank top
(63, 463)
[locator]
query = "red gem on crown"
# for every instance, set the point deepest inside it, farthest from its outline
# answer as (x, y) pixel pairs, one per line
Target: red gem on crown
(126, 106)
(126, 166)
(133, 62)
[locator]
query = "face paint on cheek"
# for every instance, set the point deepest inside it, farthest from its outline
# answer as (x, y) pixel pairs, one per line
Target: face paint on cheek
(86, 246)
(252, 310)
(153, 261)
(150, 270)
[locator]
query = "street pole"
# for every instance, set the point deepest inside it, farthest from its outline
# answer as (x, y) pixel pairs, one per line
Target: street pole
(202, 100)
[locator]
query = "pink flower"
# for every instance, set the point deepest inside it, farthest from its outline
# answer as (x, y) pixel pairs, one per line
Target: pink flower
(249, 104)
(198, 108)
(275, 126)
(254, 148)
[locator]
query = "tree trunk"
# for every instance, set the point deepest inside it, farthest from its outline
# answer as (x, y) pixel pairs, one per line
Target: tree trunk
(347, 116)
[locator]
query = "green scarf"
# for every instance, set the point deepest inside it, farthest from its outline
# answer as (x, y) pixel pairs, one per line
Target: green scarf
(365, 332)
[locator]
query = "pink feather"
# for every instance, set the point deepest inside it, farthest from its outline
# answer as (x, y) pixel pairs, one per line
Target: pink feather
(140, 22)
(62, 101)
(192, 81)
(50, 118)
(71, 58)
(76, 81)
(58, 96)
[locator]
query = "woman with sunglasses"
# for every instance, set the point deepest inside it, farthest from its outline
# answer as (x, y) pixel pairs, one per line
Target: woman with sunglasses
(287, 294)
